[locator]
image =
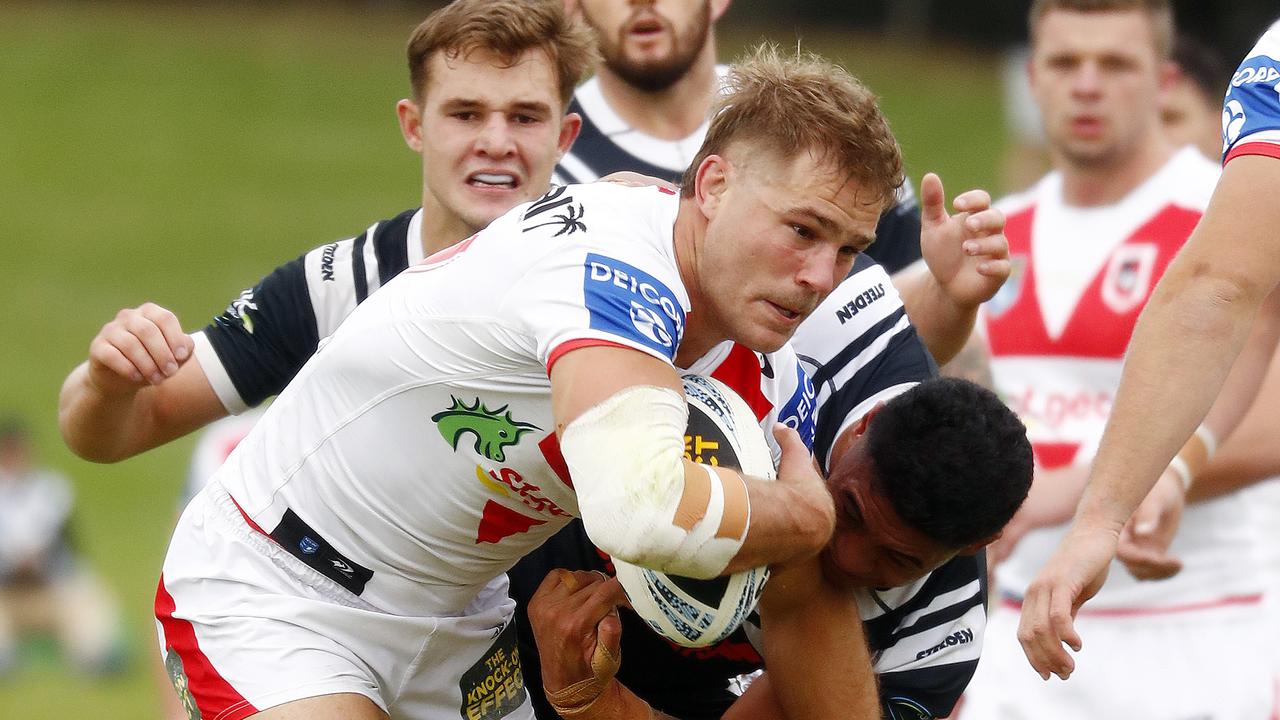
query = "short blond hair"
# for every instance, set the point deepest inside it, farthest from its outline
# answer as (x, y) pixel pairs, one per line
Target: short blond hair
(789, 104)
(506, 28)
(1160, 12)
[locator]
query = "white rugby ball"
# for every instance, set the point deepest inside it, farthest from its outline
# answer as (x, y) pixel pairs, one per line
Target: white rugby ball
(722, 430)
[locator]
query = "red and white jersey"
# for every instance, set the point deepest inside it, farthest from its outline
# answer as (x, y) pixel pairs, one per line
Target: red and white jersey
(1058, 331)
(414, 457)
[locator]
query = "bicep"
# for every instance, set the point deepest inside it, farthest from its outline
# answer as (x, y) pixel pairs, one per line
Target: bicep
(585, 377)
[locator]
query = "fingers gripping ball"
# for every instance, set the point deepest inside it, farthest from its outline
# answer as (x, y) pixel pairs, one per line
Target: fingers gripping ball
(722, 431)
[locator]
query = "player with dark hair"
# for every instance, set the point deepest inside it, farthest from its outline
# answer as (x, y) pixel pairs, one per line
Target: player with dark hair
(899, 542)
(926, 474)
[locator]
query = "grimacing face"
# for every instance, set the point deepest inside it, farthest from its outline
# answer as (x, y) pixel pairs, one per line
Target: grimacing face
(649, 44)
(1096, 77)
(781, 234)
(490, 134)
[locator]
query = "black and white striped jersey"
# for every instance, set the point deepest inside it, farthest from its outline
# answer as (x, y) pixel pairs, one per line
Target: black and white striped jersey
(925, 637)
(256, 346)
(607, 144)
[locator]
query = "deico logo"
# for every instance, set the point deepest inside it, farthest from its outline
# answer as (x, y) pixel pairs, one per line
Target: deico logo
(650, 324)
(626, 301)
(1245, 76)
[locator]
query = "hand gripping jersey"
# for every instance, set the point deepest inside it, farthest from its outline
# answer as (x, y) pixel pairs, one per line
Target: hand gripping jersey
(1251, 110)
(1058, 330)
(925, 637)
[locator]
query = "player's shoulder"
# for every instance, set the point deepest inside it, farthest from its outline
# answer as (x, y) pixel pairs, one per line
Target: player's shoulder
(1251, 109)
(1268, 45)
(601, 214)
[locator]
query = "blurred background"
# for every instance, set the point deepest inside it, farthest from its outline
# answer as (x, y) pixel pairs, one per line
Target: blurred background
(165, 152)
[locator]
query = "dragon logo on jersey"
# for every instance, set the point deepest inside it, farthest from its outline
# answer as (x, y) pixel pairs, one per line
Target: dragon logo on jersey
(1128, 278)
(628, 302)
(178, 676)
(493, 429)
(241, 307)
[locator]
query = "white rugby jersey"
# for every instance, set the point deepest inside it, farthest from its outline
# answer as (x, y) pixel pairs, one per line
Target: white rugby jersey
(416, 452)
(1251, 109)
(1058, 330)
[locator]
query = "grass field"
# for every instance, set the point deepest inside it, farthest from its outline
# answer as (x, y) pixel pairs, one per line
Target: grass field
(159, 153)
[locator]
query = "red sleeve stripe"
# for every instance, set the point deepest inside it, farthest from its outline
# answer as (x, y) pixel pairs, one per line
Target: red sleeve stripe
(1253, 148)
(212, 693)
(571, 345)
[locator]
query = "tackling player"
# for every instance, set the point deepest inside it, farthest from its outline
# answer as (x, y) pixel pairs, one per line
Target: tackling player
(900, 547)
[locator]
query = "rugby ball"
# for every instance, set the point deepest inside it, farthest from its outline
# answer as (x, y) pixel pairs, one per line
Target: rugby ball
(722, 430)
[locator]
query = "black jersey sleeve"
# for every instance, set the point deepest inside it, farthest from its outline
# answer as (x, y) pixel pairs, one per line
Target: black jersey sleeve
(265, 336)
(270, 331)
(928, 639)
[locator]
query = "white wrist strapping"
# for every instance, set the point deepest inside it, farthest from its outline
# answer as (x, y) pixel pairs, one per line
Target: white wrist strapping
(626, 458)
(1194, 456)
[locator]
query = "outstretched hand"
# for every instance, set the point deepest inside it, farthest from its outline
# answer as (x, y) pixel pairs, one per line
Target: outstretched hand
(967, 252)
(1074, 574)
(141, 346)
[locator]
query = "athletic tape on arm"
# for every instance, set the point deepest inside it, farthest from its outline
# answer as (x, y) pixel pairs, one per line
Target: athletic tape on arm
(626, 457)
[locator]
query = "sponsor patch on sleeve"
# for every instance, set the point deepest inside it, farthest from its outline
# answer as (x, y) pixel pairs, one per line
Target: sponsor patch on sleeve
(627, 302)
(798, 412)
(1252, 104)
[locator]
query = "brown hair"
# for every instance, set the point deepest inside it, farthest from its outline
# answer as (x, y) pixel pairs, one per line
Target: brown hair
(506, 28)
(784, 105)
(1159, 11)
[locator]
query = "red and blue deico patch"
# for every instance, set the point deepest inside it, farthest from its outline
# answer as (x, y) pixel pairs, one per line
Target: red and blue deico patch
(629, 303)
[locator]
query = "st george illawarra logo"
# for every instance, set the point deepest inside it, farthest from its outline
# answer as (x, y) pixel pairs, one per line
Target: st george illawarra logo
(493, 429)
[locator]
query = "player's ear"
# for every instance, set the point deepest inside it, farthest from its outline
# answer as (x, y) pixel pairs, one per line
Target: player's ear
(710, 183)
(975, 547)
(410, 117)
(864, 422)
(570, 126)
(718, 8)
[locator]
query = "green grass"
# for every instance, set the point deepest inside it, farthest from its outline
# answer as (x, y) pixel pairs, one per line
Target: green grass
(175, 155)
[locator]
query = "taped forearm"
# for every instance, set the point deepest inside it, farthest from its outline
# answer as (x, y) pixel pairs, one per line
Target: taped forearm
(640, 499)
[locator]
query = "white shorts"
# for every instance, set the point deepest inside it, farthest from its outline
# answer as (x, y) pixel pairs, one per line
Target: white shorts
(245, 626)
(1208, 664)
